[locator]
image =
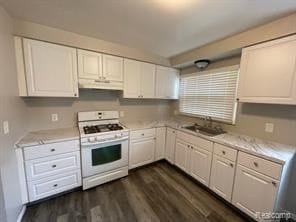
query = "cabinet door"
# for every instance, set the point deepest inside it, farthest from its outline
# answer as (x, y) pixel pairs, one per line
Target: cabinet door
(222, 177)
(132, 79)
(162, 79)
(147, 80)
(170, 145)
(141, 152)
(182, 155)
(173, 84)
(200, 165)
(160, 143)
(89, 65)
(51, 69)
(112, 68)
(267, 73)
(167, 83)
(253, 192)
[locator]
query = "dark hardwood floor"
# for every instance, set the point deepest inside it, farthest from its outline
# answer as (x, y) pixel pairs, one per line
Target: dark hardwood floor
(155, 193)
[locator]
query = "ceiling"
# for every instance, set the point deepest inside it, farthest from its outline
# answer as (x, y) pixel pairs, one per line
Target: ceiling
(164, 27)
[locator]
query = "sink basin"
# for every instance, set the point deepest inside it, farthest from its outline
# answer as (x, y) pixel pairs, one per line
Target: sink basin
(205, 130)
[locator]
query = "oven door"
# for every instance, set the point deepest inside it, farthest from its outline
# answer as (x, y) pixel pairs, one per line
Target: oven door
(99, 158)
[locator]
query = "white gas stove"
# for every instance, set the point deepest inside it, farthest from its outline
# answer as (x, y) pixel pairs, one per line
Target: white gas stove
(104, 147)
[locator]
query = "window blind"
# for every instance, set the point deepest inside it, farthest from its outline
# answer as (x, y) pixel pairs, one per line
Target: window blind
(210, 94)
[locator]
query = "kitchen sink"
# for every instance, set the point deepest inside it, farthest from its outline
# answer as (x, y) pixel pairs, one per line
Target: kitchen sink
(209, 131)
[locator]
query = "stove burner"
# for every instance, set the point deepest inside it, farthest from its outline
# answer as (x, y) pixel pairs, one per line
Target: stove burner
(101, 128)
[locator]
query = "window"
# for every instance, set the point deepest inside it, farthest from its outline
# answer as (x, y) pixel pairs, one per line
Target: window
(210, 93)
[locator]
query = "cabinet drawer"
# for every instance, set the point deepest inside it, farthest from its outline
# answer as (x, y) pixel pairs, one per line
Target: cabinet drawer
(225, 152)
(49, 166)
(50, 149)
(145, 133)
(53, 185)
(260, 165)
(195, 140)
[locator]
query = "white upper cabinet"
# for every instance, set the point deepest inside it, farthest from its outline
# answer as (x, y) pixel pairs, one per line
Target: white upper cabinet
(139, 79)
(51, 70)
(167, 83)
(99, 71)
(89, 65)
(112, 68)
(268, 72)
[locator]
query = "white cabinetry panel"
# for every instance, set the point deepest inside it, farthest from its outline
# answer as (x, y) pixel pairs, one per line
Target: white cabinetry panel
(273, 62)
(141, 152)
(170, 145)
(51, 69)
(222, 177)
(253, 192)
(200, 163)
(160, 143)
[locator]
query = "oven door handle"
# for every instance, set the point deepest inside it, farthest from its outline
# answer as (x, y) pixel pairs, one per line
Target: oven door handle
(104, 142)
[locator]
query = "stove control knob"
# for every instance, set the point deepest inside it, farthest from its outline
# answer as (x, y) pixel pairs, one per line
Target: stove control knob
(91, 139)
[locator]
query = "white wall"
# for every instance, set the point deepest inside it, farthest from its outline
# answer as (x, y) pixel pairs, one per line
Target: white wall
(40, 109)
(13, 109)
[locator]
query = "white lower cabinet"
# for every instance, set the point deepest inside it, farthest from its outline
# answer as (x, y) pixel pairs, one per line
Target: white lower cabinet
(52, 168)
(160, 143)
(142, 147)
(200, 165)
(182, 155)
(170, 145)
(253, 191)
(45, 187)
(222, 177)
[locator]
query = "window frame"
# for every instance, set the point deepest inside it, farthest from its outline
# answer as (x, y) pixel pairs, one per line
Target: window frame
(217, 70)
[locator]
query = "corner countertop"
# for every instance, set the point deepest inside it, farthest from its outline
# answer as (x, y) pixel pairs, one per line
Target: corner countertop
(273, 151)
(48, 136)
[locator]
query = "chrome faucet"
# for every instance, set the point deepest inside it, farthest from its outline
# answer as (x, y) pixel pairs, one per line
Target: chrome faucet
(208, 122)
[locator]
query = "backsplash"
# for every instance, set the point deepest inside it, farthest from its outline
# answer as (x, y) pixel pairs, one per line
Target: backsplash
(251, 119)
(40, 109)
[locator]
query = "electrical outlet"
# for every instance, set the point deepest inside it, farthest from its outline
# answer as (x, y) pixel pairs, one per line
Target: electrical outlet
(121, 113)
(54, 117)
(6, 127)
(269, 127)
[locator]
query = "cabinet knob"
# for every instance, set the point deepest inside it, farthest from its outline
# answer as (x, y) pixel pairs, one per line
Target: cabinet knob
(274, 183)
(75, 94)
(188, 146)
(55, 185)
(256, 164)
(223, 152)
(143, 134)
(231, 164)
(54, 166)
(52, 150)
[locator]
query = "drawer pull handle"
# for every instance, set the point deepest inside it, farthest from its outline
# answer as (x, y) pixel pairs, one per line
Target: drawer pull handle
(55, 185)
(54, 166)
(223, 152)
(231, 164)
(256, 164)
(52, 150)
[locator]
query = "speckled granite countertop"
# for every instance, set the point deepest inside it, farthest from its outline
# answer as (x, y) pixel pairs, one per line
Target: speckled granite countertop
(276, 152)
(48, 136)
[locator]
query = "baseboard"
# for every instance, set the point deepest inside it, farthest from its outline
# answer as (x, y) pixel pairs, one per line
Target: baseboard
(21, 214)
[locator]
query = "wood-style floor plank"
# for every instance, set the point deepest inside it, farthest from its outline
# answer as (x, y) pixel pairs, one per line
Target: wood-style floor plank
(158, 192)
